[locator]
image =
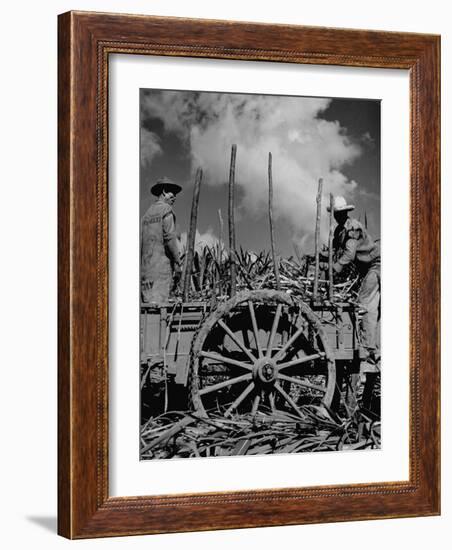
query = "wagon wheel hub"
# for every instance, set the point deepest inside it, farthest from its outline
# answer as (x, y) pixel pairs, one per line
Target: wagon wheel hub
(265, 371)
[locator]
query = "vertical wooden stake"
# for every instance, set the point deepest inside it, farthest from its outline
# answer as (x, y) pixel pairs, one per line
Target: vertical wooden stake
(192, 235)
(220, 228)
(315, 292)
(219, 286)
(220, 238)
(330, 251)
(270, 218)
(231, 219)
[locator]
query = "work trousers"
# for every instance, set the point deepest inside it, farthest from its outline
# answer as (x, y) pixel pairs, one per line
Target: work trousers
(369, 300)
(157, 289)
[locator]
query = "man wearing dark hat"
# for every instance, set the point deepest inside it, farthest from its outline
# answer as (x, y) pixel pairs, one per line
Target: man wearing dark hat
(160, 258)
(353, 244)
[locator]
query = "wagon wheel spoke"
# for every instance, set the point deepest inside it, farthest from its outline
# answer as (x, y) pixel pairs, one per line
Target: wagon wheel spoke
(226, 383)
(302, 383)
(223, 359)
(289, 400)
(234, 338)
(273, 331)
(271, 398)
(289, 342)
(239, 399)
(255, 329)
(300, 360)
(256, 404)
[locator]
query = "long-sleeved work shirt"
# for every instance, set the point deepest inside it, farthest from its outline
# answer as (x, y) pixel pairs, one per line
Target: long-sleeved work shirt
(159, 247)
(352, 243)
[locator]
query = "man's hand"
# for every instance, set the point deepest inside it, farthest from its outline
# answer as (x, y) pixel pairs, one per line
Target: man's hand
(177, 275)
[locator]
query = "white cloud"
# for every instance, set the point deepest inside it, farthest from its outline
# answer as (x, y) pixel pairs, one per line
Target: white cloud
(149, 146)
(304, 147)
(207, 238)
(368, 140)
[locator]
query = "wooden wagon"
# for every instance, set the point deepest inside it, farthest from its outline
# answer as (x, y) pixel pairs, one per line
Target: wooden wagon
(255, 350)
(258, 350)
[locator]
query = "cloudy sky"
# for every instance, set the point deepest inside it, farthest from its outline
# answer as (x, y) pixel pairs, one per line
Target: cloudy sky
(309, 138)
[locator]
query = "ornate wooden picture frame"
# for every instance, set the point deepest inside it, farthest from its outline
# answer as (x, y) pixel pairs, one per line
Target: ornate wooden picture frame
(86, 40)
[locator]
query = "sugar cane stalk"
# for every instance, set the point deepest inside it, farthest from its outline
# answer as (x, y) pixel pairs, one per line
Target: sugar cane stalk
(270, 218)
(317, 241)
(330, 252)
(231, 219)
(192, 234)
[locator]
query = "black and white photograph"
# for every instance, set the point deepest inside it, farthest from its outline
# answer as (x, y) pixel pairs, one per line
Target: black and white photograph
(260, 283)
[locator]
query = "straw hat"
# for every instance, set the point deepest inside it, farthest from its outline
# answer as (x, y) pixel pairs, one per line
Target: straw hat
(340, 205)
(165, 184)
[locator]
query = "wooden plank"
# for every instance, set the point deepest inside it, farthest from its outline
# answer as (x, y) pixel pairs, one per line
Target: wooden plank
(270, 220)
(330, 251)
(192, 235)
(315, 292)
(231, 220)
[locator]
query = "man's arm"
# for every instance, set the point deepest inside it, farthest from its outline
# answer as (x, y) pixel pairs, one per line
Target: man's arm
(169, 237)
(348, 255)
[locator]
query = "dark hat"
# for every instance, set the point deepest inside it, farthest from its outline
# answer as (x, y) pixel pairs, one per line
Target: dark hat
(165, 184)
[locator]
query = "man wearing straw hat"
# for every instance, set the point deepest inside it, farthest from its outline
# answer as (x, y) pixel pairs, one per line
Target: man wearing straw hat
(160, 258)
(353, 244)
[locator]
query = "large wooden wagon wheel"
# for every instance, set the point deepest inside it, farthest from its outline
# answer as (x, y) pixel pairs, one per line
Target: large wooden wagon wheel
(260, 351)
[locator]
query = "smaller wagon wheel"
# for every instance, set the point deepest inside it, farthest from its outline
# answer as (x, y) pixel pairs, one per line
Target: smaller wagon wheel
(261, 351)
